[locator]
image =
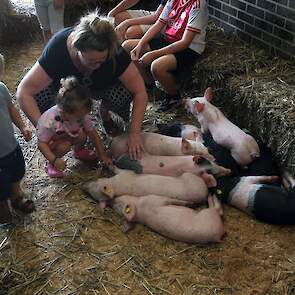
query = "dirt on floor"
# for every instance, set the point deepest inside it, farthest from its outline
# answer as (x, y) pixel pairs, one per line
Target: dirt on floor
(69, 246)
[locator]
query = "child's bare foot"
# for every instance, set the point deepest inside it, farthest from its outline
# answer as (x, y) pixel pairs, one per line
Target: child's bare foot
(5, 214)
(25, 206)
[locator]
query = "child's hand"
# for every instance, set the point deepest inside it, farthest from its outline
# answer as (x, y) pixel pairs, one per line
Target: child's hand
(107, 161)
(59, 164)
(27, 133)
(135, 53)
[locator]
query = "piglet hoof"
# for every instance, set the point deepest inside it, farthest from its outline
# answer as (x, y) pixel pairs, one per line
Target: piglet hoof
(108, 191)
(196, 159)
(102, 205)
(127, 226)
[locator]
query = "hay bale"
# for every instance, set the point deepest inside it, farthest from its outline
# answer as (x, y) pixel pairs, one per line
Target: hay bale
(18, 22)
(225, 56)
(264, 103)
(255, 91)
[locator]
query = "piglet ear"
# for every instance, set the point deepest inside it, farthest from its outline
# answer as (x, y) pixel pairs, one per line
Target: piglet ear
(209, 179)
(129, 212)
(199, 107)
(108, 190)
(208, 94)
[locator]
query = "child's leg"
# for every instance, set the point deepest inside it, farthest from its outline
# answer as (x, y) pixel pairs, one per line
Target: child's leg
(42, 14)
(120, 17)
(5, 188)
(17, 200)
(80, 152)
(56, 18)
(128, 45)
(161, 70)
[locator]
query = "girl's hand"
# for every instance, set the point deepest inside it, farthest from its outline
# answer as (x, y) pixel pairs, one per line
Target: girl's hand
(148, 58)
(27, 133)
(135, 146)
(58, 4)
(59, 164)
(107, 161)
(135, 52)
(122, 28)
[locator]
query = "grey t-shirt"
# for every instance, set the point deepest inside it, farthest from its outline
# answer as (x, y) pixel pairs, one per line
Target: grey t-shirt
(8, 142)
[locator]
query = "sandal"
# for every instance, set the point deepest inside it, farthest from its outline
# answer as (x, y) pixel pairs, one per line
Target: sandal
(25, 206)
(52, 171)
(5, 214)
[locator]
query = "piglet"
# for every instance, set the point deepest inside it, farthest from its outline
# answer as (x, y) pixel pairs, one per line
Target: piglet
(171, 165)
(160, 145)
(171, 219)
(244, 149)
(188, 186)
(186, 131)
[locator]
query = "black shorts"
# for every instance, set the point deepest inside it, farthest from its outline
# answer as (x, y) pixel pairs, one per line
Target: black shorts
(12, 169)
(185, 58)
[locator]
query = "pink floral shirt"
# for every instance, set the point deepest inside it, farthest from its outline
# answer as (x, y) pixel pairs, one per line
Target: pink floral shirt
(51, 123)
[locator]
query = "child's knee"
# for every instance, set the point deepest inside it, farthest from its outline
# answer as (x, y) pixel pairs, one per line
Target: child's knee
(128, 45)
(158, 67)
(133, 32)
(62, 148)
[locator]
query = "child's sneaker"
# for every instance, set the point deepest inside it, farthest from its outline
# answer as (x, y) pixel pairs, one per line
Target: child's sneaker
(84, 154)
(168, 103)
(52, 171)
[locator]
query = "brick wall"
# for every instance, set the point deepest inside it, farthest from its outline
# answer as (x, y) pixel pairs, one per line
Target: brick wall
(269, 24)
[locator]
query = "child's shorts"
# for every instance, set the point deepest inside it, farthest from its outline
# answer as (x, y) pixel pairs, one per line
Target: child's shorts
(12, 169)
(140, 13)
(184, 58)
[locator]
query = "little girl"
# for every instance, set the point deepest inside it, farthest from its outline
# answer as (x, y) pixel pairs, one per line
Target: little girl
(67, 124)
(12, 163)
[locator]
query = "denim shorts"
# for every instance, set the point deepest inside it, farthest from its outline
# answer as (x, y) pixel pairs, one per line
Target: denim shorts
(12, 170)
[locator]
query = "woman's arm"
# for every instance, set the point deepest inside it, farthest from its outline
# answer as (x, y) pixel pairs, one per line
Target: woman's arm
(33, 82)
(133, 81)
(123, 5)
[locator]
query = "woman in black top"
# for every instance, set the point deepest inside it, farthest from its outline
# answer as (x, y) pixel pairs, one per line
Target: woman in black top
(90, 52)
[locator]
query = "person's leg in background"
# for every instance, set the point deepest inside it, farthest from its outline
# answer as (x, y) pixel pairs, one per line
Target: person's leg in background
(162, 69)
(56, 18)
(43, 18)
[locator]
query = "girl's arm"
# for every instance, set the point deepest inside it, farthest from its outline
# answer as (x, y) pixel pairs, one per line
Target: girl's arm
(143, 20)
(18, 122)
(99, 147)
(150, 34)
(123, 5)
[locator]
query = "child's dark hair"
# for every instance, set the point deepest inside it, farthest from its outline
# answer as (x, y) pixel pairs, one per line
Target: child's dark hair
(72, 96)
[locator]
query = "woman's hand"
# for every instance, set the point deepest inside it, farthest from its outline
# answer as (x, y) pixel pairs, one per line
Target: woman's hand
(27, 133)
(58, 4)
(135, 52)
(149, 57)
(59, 164)
(135, 146)
(122, 28)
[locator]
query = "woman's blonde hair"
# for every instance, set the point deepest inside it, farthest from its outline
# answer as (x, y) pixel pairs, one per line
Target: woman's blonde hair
(95, 32)
(72, 96)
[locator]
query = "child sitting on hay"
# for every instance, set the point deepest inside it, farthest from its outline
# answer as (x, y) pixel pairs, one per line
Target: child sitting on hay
(67, 125)
(183, 25)
(12, 163)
